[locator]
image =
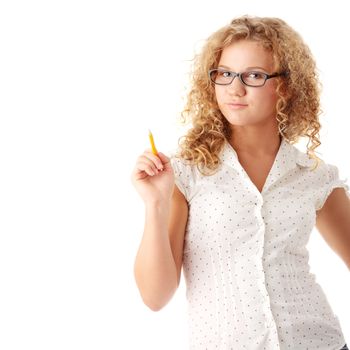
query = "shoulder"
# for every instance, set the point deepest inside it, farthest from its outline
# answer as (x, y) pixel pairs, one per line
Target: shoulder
(320, 172)
(179, 164)
(323, 168)
(186, 174)
(303, 159)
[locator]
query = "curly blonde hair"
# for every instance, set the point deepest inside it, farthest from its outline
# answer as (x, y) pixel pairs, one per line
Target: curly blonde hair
(298, 103)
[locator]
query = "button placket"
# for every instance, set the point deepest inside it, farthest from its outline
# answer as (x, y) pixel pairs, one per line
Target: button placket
(270, 321)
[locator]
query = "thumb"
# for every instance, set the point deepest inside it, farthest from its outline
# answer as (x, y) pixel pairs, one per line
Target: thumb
(165, 160)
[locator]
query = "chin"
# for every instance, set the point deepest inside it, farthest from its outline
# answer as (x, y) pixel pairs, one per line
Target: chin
(241, 120)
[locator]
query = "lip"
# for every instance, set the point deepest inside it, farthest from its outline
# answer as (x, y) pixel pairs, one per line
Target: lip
(236, 105)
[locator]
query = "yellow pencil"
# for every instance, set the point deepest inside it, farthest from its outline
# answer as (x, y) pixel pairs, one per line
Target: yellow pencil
(154, 149)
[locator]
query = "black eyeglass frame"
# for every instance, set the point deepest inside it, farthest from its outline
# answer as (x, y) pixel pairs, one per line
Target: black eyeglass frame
(239, 75)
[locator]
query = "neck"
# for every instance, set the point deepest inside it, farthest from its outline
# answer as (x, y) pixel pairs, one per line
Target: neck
(255, 143)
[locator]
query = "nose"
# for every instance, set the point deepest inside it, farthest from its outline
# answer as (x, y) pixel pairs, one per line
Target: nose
(236, 87)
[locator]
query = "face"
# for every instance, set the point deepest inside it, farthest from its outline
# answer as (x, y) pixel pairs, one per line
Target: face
(259, 102)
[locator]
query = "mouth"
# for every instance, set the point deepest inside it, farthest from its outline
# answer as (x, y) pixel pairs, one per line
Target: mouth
(236, 105)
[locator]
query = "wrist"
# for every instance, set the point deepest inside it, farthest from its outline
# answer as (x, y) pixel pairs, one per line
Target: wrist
(158, 204)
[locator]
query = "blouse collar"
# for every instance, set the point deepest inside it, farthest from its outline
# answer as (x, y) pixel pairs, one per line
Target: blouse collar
(287, 158)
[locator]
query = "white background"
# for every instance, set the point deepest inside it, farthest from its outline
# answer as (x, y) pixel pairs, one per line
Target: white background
(78, 92)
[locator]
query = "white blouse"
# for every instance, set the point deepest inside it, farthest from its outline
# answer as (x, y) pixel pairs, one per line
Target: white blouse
(245, 261)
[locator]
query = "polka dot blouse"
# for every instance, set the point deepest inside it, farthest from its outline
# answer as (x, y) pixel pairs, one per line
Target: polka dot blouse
(245, 261)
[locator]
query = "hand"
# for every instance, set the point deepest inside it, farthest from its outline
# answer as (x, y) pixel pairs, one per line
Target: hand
(153, 177)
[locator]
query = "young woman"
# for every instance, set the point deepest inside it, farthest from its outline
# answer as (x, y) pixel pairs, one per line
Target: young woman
(236, 205)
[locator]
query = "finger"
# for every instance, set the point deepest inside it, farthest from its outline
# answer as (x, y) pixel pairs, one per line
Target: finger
(139, 176)
(149, 159)
(156, 159)
(146, 165)
(164, 160)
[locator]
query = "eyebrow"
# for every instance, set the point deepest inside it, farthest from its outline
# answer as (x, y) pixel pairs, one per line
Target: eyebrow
(256, 67)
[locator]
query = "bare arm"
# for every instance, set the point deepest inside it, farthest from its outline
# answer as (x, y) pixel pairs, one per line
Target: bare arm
(333, 222)
(159, 258)
(158, 262)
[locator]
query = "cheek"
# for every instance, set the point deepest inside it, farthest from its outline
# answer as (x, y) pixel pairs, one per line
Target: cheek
(273, 99)
(220, 98)
(271, 92)
(217, 94)
(267, 98)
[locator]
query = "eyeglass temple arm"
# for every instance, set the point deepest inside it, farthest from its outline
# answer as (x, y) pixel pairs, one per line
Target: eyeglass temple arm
(286, 73)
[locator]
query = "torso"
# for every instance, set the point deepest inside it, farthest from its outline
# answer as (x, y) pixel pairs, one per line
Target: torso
(240, 248)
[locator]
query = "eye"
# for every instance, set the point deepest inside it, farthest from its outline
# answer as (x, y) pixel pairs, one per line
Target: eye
(255, 75)
(224, 73)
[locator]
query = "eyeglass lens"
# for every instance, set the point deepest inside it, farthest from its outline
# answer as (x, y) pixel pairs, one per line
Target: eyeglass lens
(250, 78)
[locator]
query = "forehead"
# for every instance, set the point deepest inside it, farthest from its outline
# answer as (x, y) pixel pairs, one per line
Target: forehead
(244, 53)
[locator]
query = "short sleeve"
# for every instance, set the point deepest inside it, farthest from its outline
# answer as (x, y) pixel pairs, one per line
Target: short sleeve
(183, 176)
(332, 181)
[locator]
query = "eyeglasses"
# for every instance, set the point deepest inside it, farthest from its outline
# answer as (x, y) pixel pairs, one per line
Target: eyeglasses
(250, 78)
